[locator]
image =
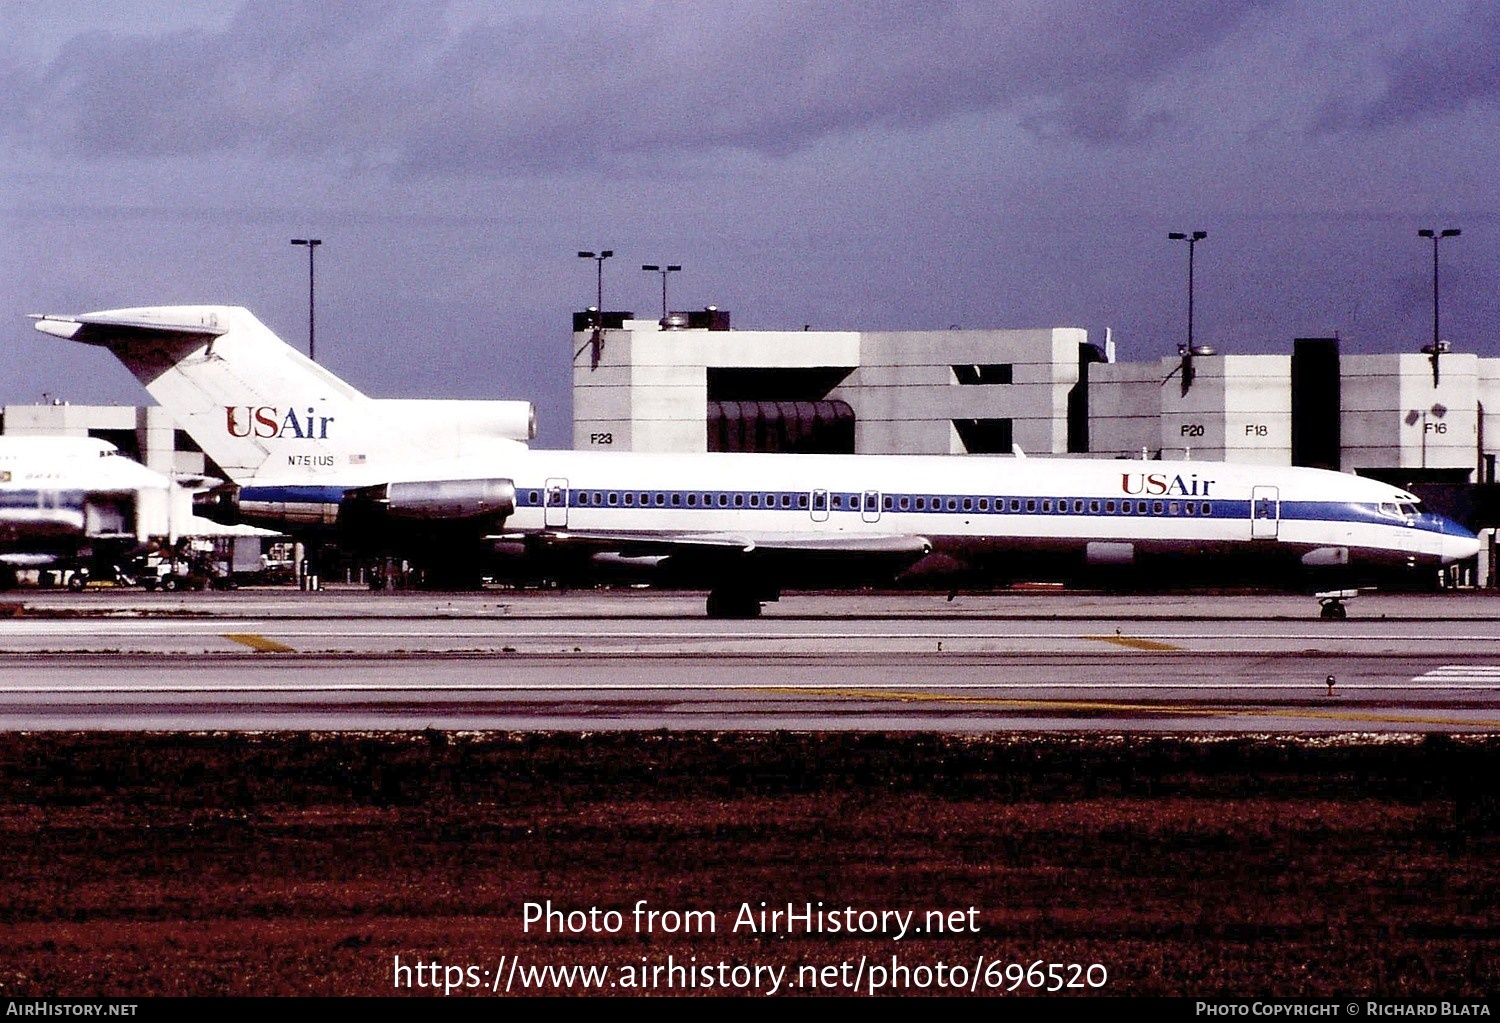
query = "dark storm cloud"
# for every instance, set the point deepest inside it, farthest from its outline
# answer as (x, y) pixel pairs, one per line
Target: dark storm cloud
(281, 77)
(404, 85)
(1442, 73)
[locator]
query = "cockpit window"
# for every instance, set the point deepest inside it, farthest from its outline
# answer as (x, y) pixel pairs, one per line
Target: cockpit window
(1401, 509)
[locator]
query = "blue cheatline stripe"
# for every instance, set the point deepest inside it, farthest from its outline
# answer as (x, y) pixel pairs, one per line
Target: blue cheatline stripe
(293, 495)
(1332, 511)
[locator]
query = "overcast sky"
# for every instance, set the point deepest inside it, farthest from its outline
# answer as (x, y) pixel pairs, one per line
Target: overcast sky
(850, 165)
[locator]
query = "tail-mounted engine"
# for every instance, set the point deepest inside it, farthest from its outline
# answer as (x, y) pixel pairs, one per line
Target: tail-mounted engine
(449, 499)
(432, 501)
(425, 519)
(413, 518)
(221, 504)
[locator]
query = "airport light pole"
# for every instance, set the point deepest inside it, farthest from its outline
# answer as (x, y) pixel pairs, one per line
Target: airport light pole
(1192, 238)
(599, 259)
(663, 270)
(312, 331)
(1436, 236)
(596, 343)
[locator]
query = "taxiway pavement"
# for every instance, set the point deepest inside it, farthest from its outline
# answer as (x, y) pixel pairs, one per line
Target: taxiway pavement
(349, 659)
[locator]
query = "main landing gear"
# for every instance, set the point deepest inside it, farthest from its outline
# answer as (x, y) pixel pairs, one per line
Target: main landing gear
(1333, 603)
(724, 603)
(738, 601)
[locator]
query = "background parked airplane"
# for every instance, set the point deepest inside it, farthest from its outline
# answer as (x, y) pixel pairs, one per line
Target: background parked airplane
(66, 500)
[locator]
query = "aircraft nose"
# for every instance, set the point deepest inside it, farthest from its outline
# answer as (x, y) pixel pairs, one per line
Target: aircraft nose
(1458, 543)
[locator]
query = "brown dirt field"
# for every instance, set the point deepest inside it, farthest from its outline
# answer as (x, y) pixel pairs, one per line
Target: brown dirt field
(297, 864)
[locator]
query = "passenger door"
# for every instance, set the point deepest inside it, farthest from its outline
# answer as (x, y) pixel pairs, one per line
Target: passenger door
(555, 504)
(1265, 513)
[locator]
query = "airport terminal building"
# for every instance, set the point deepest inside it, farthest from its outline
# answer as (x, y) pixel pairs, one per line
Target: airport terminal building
(642, 386)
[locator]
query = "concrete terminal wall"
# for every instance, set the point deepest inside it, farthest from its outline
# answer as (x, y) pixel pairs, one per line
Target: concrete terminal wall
(649, 388)
(1237, 408)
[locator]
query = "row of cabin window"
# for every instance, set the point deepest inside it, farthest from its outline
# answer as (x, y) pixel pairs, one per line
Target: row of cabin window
(1047, 506)
(852, 502)
(657, 499)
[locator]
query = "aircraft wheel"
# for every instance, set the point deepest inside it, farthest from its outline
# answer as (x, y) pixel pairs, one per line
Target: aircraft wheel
(733, 604)
(1335, 611)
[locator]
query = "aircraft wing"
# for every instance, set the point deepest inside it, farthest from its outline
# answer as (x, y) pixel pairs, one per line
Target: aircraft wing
(889, 544)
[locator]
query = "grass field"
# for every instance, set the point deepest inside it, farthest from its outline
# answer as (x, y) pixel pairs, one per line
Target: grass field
(284, 864)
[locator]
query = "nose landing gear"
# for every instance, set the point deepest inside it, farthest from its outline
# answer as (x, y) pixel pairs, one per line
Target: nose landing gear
(1332, 602)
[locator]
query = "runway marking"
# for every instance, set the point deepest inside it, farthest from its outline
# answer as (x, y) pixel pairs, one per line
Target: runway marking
(1450, 673)
(259, 643)
(1135, 643)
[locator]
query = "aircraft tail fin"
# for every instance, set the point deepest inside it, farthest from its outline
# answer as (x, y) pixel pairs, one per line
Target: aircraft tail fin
(255, 405)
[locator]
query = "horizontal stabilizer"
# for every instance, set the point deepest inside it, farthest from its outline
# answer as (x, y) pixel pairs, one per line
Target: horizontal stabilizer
(125, 325)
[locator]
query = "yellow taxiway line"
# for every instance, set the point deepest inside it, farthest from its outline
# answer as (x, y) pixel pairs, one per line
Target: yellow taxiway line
(1138, 708)
(1134, 643)
(259, 643)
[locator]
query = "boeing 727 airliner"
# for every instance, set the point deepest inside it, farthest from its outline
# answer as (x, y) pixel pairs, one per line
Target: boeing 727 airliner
(307, 449)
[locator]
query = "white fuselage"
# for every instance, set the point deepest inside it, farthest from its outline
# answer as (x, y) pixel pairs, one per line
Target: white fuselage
(959, 503)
